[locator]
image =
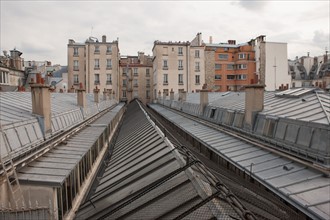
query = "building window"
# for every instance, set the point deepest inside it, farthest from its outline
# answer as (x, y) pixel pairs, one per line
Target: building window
(230, 66)
(124, 83)
(223, 56)
(135, 83)
(197, 67)
(241, 56)
(147, 72)
(135, 94)
(197, 79)
(148, 94)
(75, 65)
(148, 83)
(125, 70)
(165, 81)
(217, 66)
(97, 49)
(135, 71)
(109, 80)
(165, 92)
(97, 79)
(109, 64)
(75, 79)
(165, 67)
(124, 93)
(197, 53)
(241, 66)
(4, 77)
(180, 79)
(241, 77)
(109, 49)
(217, 77)
(180, 65)
(180, 52)
(75, 51)
(96, 64)
(230, 77)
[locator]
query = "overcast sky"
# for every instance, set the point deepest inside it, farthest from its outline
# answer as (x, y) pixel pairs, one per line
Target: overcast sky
(41, 29)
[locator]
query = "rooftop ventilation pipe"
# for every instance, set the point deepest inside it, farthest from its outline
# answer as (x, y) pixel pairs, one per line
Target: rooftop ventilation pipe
(41, 105)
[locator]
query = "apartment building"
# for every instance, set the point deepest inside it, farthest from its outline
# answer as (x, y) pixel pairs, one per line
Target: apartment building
(12, 75)
(178, 66)
(229, 66)
(135, 78)
(94, 64)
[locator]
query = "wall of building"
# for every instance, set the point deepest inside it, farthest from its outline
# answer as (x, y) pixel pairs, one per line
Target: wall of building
(276, 69)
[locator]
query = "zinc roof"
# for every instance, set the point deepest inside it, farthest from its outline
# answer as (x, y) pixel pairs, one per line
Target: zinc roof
(56, 165)
(306, 188)
(146, 178)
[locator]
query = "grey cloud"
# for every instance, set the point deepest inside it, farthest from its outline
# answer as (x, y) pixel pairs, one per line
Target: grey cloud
(321, 39)
(252, 4)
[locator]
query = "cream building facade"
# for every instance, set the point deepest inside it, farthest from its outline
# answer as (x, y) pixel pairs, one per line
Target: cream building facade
(94, 64)
(178, 66)
(135, 77)
(271, 63)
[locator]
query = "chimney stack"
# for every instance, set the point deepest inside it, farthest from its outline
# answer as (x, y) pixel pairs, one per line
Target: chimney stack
(105, 94)
(96, 92)
(171, 95)
(184, 96)
(254, 102)
(81, 96)
(210, 40)
(203, 98)
(41, 105)
(104, 39)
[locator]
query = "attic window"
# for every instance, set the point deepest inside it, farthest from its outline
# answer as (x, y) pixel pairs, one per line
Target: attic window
(212, 113)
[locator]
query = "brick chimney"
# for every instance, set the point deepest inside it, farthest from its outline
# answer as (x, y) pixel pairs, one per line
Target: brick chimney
(81, 96)
(104, 39)
(96, 92)
(254, 102)
(203, 98)
(171, 95)
(41, 105)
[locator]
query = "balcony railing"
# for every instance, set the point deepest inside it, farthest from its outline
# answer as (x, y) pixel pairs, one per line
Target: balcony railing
(76, 68)
(165, 67)
(109, 82)
(180, 68)
(97, 82)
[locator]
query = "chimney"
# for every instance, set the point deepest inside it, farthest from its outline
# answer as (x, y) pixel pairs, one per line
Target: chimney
(104, 39)
(81, 96)
(105, 94)
(71, 41)
(203, 98)
(41, 105)
(254, 102)
(171, 95)
(210, 40)
(96, 92)
(184, 96)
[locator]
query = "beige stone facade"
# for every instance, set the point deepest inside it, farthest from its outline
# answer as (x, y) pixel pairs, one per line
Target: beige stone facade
(94, 64)
(135, 78)
(179, 66)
